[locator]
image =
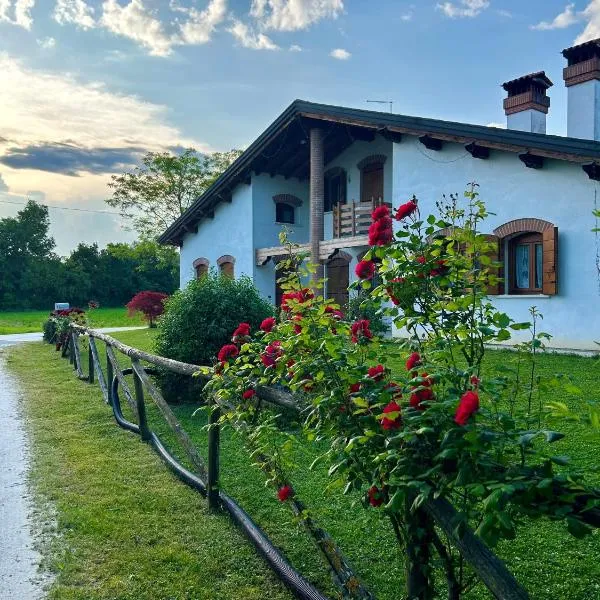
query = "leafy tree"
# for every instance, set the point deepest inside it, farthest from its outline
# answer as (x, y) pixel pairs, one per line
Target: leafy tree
(24, 241)
(161, 190)
(150, 304)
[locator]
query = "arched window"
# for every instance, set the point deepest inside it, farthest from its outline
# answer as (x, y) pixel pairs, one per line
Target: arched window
(285, 208)
(371, 177)
(529, 250)
(226, 265)
(201, 267)
(335, 188)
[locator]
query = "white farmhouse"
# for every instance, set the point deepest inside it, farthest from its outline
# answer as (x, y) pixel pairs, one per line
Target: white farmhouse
(320, 170)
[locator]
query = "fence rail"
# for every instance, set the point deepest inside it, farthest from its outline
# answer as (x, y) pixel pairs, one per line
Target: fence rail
(205, 475)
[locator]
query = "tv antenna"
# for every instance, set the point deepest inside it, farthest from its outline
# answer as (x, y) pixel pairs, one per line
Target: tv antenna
(390, 102)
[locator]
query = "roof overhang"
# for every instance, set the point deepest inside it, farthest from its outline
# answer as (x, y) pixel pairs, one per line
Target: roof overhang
(283, 149)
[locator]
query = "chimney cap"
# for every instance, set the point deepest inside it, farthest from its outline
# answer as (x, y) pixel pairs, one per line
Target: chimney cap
(581, 52)
(516, 86)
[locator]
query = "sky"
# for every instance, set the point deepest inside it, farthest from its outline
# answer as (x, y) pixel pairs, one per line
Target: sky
(88, 86)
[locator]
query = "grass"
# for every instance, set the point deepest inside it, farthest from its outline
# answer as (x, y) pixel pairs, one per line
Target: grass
(31, 320)
(99, 500)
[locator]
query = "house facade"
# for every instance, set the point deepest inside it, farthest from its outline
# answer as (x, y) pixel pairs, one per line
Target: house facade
(319, 170)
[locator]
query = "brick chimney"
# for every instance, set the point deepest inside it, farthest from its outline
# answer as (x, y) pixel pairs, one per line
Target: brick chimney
(527, 104)
(582, 78)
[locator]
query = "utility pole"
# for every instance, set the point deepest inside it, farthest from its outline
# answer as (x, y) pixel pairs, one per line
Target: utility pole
(390, 102)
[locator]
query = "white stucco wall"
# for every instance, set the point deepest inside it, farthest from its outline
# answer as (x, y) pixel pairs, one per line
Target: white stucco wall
(530, 120)
(560, 193)
(230, 232)
(583, 110)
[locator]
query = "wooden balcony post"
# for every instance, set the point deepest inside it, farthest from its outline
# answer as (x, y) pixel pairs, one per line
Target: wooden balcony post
(317, 199)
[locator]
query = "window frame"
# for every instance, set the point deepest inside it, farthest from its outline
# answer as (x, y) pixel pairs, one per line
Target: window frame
(280, 206)
(531, 239)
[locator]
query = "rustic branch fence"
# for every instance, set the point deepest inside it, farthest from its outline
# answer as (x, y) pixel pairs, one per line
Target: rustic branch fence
(205, 475)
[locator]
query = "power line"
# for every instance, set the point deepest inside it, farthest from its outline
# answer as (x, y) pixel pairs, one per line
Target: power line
(89, 210)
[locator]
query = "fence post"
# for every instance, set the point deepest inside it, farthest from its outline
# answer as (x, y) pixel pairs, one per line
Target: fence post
(141, 407)
(90, 361)
(73, 358)
(214, 435)
(109, 377)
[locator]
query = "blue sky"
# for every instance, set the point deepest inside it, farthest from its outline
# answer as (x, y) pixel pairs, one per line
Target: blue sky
(86, 86)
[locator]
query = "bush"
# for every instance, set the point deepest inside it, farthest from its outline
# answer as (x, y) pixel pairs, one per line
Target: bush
(201, 318)
(56, 327)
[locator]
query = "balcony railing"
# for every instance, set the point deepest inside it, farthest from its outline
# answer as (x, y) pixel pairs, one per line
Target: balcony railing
(354, 219)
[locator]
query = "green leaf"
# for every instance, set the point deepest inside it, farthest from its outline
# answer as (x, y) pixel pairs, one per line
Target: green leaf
(577, 528)
(560, 460)
(553, 436)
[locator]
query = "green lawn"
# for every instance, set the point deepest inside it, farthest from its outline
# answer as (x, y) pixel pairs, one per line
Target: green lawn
(32, 320)
(129, 529)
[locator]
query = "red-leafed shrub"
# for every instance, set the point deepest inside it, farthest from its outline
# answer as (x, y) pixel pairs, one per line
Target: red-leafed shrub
(150, 304)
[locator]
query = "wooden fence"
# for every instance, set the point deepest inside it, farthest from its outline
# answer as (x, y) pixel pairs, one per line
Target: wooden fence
(205, 475)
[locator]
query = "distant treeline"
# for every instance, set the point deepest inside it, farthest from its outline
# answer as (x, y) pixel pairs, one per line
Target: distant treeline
(33, 276)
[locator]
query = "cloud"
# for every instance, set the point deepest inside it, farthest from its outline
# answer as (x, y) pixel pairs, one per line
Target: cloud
(3, 186)
(75, 12)
(591, 14)
(136, 22)
(45, 108)
(291, 15)
(505, 13)
(407, 16)
(21, 12)
(340, 54)
(46, 43)
(249, 39)
(71, 159)
(465, 8)
(563, 20)
(499, 125)
(295, 48)
(198, 29)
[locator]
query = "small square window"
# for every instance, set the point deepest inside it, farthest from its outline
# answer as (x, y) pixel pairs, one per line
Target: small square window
(284, 213)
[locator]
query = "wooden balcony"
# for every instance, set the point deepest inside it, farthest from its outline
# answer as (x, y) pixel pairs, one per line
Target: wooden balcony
(354, 219)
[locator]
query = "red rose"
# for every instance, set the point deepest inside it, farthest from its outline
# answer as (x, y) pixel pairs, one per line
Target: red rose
(421, 260)
(271, 354)
(355, 388)
(268, 324)
(381, 232)
(297, 326)
(228, 351)
(475, 381)
(375, 496)
(365, 269)
(360, 330)
(405, 210)
(300, 297)
(423, 395)
(414, 360)
(334, 312)
(248, 394)
(468, 405)
(393, 422)
(381, 212)
(243, 329)
(285, 493)
(390, 289)
(376, 373)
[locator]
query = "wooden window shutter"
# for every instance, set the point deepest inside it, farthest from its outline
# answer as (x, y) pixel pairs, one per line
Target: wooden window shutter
(495, 254)
(550, 261)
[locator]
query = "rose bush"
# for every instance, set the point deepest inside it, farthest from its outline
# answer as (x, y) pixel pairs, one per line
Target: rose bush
(443, 428)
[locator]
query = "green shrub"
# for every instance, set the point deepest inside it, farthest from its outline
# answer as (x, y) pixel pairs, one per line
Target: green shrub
(201, 318)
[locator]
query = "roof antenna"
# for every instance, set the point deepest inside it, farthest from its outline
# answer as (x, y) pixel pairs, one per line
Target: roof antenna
(390, 102)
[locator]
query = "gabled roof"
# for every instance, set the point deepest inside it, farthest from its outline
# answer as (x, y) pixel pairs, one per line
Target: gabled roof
(282, 148)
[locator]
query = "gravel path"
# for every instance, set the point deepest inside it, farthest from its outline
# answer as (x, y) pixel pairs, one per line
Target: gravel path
(19, 579)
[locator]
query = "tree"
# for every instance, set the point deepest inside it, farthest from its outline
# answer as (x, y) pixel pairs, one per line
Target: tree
(150, 304)
(24, 243)
(156, 194)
